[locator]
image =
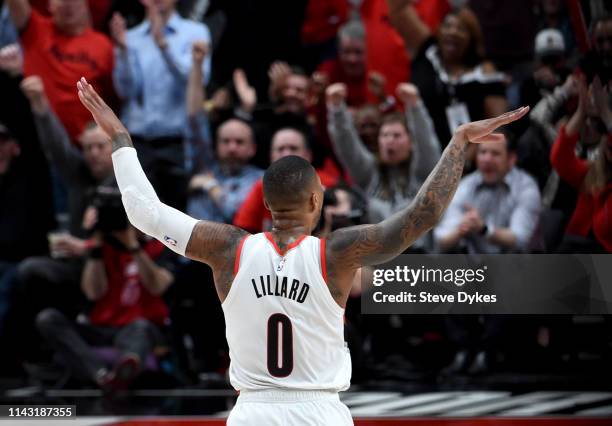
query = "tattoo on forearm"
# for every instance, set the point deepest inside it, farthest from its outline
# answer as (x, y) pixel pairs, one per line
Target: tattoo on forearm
(372, 244)
(121, 140)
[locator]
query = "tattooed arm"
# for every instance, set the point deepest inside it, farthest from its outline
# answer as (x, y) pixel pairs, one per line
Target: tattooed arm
(208, 242)
(350, 248)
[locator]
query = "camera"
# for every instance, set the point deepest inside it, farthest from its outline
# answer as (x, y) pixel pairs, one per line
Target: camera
(111, 214)
(357, 207)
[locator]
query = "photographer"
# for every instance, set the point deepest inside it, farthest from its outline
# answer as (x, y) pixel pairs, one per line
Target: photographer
(44, 281)
(124, 282)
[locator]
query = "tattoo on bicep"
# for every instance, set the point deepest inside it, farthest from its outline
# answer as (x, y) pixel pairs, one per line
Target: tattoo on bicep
(356, 246)
(215, 244)
(121, 140)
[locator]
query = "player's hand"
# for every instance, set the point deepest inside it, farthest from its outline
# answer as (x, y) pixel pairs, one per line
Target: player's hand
(482, 131)
(199, 51)
(408, 93)
(118, 30)
(34, 89)
(336, 94)
(101, 112)
(246, 93)
(11, 60)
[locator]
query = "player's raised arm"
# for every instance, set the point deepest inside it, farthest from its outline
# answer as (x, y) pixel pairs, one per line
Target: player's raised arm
(209, 242)
(353, 247)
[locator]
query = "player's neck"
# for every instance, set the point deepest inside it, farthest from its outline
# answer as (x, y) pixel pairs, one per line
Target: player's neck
(286, 225)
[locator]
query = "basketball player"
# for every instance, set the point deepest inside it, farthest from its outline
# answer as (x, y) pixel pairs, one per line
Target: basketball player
(283, 293)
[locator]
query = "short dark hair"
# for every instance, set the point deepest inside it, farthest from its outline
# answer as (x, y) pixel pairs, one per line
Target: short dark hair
(287, 179)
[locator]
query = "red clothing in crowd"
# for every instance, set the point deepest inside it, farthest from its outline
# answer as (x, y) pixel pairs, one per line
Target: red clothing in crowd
(126, 299)
(99, 10)
(593, 212)
(60, 60)
(386, 52)
(253, 216)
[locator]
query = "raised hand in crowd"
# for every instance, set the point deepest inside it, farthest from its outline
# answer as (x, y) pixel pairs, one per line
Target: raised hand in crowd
(118, 30)
(278, 73)
(34, 89)
(335, 94)
(376, 85)
(318, 83)
(11, 60)
(246, 93)
(199, 51)
(576, 122)
(408, 93)
(157, 23)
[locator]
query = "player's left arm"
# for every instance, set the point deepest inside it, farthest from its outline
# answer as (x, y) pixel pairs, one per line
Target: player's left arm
(208, 242)
(353, 247)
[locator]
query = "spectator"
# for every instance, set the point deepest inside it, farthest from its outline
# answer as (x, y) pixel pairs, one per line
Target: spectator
(456, 85)
(351, 67)
(534, 148)
(599, 60)
(124, 282)
(290, 107)
(553, 14)
(252, 215)
(62, 49)
(550, 68)
(153, 63)
(53, 281)
(367, 123)
(496, 208)
(8, 32)
(24, 226)
(590, 228)
(342, 207)
(218, 190)
(408, 149)
(83, 170)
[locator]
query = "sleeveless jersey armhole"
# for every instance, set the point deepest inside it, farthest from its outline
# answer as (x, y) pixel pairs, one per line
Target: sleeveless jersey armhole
(323, 260)
(238, 254)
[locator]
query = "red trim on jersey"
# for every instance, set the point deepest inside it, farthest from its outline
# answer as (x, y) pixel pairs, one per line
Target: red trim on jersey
(238, 252)
(323, 260)
(289, 247)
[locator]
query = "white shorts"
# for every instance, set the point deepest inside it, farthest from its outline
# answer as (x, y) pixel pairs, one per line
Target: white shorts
(289, 408)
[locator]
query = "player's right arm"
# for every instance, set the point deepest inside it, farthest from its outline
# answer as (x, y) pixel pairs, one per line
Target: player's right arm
(208, 242)
(20, 11)
(351, 248)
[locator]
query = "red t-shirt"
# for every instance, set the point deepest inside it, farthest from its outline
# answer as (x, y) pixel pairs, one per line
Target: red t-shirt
(253, 215)
(60, 60)
(386, 51)
(593, 212)
(127, 299)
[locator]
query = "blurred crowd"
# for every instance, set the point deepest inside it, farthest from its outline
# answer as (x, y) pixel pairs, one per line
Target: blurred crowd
(369, 91)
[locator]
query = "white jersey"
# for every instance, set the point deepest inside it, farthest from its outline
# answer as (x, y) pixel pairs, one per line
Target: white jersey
(283, 327)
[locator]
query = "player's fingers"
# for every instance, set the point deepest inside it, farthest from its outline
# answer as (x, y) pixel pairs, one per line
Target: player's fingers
(492, 137)
(511, 116)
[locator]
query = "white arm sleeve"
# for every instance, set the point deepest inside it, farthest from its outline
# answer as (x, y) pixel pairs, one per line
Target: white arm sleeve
(144, 210)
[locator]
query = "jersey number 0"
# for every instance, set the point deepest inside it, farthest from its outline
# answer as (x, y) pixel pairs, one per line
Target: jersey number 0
(280, 322)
